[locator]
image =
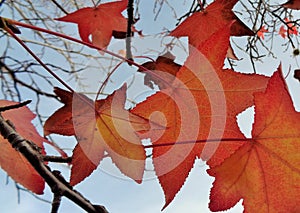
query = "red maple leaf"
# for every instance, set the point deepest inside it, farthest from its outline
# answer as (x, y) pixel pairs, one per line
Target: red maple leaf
(265, 171)
(99, 22)
(201, 25)
(193, 108)
(13, 161)
(101, 126)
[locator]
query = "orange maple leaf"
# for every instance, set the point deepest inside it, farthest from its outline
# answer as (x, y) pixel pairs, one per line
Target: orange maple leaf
(292, 4)
(12, 161)
(282, 32)
(265, 171)
(292, 29)
(201, 25)
(199, 105)
(101, 126)
(99, 22)
(261, 32)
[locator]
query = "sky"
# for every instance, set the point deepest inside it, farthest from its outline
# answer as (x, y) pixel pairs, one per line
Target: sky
(106, 186)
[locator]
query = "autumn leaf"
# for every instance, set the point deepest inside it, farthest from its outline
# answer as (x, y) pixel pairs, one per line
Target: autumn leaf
(282, 32)
(13, 161)
(261, 32)
(201, 25)
(199, 105)
(101, 126)
(292, 4)
(57, 123)
(167, 67)
(292, 29)
(265, 171)
(100, 22)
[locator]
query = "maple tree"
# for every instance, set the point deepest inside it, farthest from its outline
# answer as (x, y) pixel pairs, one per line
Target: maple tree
(192, 114)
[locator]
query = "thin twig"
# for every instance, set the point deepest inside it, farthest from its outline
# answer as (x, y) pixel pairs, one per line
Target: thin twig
(14, 106)
(60, 7)
(57, 159)
(37, 58)
(142, 68)
(130, 22)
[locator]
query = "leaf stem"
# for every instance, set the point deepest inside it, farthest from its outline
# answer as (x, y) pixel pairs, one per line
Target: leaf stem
(198, 141)
(37, 58)
(60, 7)
(101, 88)
(141, 68)
(71, 39)
(94, 3)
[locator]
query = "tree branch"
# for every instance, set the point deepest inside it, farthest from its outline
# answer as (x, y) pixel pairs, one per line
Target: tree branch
(56, 203)
(55, 181)
(57, 159)
(130, 22)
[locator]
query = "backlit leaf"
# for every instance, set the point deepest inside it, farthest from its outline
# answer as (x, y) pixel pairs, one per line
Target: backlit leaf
(264, 172)
(13, 161)
(99, 22)
(101, 126)
(199, 105)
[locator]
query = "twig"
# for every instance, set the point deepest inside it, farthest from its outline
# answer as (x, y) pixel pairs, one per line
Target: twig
(57, 159)
(18, 81)
(57, 183)
(14, 106)
(19, 188)
(193, 9)
(56, 203)
(142, 68)
(130, 22)
(8, 29)
(74, 40)
(60, 7)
